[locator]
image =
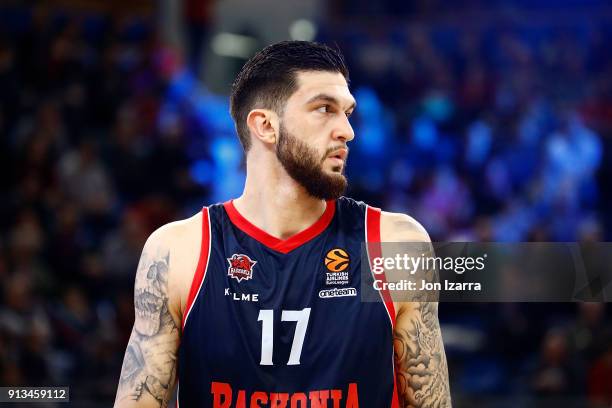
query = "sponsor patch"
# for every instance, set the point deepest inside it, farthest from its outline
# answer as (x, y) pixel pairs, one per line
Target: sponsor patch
(337, 292)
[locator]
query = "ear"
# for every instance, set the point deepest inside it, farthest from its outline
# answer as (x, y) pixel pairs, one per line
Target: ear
(263, 124)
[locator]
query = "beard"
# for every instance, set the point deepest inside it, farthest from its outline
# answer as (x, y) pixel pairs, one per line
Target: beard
(305, 166)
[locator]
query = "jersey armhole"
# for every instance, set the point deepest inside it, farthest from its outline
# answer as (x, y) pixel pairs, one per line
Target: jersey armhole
(200, 272)
(373, 248)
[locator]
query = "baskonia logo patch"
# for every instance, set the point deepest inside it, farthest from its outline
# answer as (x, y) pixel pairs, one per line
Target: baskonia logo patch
(337, 262)
(240, 267)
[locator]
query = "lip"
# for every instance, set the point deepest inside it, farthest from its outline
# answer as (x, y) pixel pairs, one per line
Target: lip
(339, 154)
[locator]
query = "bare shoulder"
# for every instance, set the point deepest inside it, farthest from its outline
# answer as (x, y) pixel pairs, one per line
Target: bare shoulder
(181, 241)
(175, 231)
(398, 227)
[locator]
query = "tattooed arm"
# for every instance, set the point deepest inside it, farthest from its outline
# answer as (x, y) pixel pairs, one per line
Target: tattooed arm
(420, 361)
(422, 373)
(149, 366)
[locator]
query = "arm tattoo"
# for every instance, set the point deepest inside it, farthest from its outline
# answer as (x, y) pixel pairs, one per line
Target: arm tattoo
(420, 361)
(149, 365)
(422, 373)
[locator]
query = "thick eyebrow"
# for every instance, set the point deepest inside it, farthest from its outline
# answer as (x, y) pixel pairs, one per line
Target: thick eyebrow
(328, 98)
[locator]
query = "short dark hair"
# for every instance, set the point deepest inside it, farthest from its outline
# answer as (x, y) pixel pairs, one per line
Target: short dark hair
(268, 79)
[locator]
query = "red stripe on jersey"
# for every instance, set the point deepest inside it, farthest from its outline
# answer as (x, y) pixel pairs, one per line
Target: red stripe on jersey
(373, 236)
(200, 273)
(281, 245)
(374, 251)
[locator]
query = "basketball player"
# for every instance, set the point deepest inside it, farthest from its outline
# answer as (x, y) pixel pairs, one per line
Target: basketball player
(255, 302)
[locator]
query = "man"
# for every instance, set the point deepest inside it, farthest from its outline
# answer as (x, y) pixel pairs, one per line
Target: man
(262, 292)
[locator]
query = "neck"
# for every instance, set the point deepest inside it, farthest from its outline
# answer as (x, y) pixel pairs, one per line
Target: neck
(276, 203)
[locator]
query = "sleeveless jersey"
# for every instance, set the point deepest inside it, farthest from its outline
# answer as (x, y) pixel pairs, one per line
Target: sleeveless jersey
(281, 323)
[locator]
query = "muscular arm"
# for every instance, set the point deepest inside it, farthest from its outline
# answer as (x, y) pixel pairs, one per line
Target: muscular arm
(149, 366)
(422, 373)
(421, 368)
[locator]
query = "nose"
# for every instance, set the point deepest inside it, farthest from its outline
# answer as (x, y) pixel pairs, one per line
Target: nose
(343, 130)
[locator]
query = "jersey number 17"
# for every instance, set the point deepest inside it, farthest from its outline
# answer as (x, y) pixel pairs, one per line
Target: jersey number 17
(266, 316)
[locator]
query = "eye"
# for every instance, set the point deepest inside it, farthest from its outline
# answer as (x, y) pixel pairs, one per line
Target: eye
(348, 114)
(324, 109)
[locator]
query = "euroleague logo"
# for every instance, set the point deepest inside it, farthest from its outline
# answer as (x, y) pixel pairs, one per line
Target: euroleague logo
(240, 267)
(337, 262)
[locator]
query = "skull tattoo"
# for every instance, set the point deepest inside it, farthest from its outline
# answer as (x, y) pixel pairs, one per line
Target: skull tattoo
(150, 298)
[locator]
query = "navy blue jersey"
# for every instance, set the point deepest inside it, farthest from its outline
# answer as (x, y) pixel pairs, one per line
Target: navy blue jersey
(281, 323)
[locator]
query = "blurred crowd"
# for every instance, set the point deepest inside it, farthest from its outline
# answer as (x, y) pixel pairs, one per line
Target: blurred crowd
(497, 134)
(506, 120)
